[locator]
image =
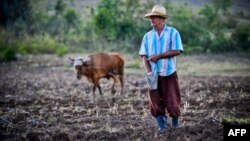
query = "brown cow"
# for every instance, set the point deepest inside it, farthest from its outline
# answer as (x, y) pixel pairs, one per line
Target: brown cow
(100, 65)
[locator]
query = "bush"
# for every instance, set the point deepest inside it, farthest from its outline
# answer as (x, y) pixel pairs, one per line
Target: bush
(194, 34)
(11, 46)
(61, 50)
(41, 44)
(8, 54)
(231, 23)
(119, 26)
(220, 44)
(7, 51)
(241, 37)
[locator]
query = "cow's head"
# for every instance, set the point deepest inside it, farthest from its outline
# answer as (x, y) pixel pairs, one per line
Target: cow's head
(80, 64)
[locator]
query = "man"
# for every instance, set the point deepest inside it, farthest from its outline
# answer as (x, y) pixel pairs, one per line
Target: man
(158, 51)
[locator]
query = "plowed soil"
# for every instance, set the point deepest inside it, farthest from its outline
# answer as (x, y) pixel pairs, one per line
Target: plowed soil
(41, 99)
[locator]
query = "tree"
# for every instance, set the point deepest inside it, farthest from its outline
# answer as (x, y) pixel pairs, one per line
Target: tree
(241, 37)
(71, 18)
(222, 5)
(14, 10)
(60, 7)
(210, 17)
(105, 19)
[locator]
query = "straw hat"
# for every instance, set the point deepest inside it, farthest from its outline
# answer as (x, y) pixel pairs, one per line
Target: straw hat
(157, 10)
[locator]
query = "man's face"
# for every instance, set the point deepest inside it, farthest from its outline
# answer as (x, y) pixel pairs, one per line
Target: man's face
(156, 21)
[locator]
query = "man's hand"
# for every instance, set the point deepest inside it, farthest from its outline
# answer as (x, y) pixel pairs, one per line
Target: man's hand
(146, 64)
(149, 73)
(153, 58)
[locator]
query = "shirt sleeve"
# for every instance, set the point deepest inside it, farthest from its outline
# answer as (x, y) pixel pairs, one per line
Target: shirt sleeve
(143, 48)
(177, 42)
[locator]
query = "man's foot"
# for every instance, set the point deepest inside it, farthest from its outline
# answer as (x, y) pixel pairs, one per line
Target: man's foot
(162, 130)
(162, 123)
(175, 122)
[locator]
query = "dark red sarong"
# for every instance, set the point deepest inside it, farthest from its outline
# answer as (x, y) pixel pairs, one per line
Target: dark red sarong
(166, 98)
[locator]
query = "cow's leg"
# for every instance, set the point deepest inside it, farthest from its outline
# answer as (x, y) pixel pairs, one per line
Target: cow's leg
(122, 83)
(96, 83)
(99, 88)
(113, 85)
(93, 90)
(120, 76)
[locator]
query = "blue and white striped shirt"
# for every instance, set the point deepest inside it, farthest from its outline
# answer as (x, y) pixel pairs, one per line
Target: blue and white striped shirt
(154, 44)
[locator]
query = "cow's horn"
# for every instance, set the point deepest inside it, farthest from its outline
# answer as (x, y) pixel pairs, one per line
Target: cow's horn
(71, 59)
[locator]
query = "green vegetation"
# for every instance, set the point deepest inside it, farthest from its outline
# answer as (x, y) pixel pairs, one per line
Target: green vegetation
(58, 28)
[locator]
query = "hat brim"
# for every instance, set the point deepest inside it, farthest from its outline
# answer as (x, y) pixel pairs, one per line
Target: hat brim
(155, 14)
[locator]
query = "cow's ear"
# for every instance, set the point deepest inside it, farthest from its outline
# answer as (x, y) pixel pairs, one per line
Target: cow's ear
(86, 61)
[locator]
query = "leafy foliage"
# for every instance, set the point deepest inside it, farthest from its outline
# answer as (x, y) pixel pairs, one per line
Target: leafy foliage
(241, 37)
(52, 27)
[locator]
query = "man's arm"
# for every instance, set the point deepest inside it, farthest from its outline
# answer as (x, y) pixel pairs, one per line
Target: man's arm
(146, 64)
(167, 54)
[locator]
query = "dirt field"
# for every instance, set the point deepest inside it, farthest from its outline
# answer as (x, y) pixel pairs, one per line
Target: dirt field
(41, 99)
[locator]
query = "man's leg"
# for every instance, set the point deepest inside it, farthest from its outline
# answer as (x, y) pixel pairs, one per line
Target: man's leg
(171, 97)
(157, 109)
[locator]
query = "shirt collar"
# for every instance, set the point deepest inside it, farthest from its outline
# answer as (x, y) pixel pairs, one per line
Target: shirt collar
(164, 29)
